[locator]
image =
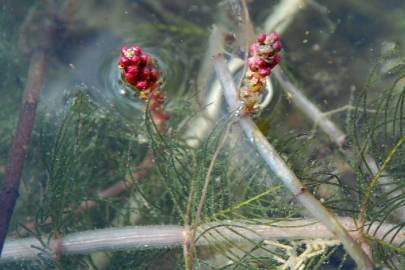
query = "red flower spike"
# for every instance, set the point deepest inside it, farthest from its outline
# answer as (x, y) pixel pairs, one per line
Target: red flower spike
(140, 71)
(264, 55)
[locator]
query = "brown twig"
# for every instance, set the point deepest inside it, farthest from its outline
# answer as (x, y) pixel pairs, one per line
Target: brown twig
(120, 186)
(18, 151)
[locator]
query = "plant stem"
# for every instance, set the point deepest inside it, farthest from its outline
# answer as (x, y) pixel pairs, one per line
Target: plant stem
(374, 181)
(283, 15)
(336, 135)
(285, 174)
(120, 186)
(18, 151)
(190, 244)
(172, 236)
(207, 179)
(311, 110)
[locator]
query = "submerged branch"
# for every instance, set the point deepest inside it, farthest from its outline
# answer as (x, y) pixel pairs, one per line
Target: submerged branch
(337, 136)
(311, 110)
(285, 174)
(173, 236)
(279, 20)
(120, 186)
(20, 145)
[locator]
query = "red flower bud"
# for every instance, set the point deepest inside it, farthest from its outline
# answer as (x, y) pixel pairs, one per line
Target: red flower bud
(261, 38)
(137, 50)
(261, 63)
(130, 78)
(253, 49)
(145, 59)
(265, 71)
(154, 74)
(135, 60)
(145, 73)
(272, 37)
(252, 63)
(123, 50)
(133, 70)
(142, 85)
(123, 61)
(139, 70)
(277, 46)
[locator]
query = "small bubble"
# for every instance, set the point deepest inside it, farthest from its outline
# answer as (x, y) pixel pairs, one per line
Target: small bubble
(316, 47)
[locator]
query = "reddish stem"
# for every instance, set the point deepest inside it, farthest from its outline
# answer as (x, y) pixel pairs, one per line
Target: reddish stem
(9, 191)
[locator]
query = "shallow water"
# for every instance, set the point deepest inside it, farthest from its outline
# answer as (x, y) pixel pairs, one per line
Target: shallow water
(330, 49)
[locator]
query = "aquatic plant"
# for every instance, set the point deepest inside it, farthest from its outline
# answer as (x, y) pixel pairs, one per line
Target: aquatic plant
(232, 179)
(139, 70)
(264, 55)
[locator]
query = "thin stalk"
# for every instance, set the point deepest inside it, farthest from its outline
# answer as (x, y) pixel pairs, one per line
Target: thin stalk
(190, 245)
(207, 179)
(311, 110)
(283, 15)
(120, 186)
(285, 174)
(173, 236)
(374, 181)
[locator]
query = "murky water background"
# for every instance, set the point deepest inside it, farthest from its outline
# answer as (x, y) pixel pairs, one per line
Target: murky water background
(330, 48)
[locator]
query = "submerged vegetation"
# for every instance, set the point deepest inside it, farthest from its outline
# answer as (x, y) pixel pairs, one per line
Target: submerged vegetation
(115, 180)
